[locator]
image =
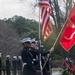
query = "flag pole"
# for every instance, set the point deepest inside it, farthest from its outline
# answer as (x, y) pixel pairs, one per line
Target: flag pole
(40, 44)
(39, 23)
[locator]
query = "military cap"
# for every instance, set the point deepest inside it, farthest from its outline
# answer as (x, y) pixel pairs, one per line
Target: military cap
(34, 41)
(8, 56)
(25, 40)
(15, 57)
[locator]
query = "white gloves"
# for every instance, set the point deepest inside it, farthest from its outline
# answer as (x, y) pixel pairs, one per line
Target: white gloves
(51, 50)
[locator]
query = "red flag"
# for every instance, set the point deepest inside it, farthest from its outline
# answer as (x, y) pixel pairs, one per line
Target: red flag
(68, 36)
(45, 16)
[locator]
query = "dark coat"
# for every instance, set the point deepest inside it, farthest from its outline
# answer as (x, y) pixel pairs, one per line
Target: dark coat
(19, 64)
(8, 65)
(28, 58)
(37, 62)
(14, 64)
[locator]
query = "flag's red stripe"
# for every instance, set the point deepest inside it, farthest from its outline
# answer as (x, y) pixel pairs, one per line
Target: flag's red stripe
(43, 5)
(43, 18)
(46, 25)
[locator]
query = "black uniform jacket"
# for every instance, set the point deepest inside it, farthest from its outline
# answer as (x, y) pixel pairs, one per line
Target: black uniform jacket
(37, 52)
(27, 58)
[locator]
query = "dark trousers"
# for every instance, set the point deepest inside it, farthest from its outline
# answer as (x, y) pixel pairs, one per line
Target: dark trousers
(8, 71)
(28, 71)
(14, 71)
(19, 72)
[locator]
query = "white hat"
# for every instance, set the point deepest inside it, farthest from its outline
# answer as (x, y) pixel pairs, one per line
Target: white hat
(19, 57)
(0, 55)
(26, 40)
(15, 57)
(8, 56)
(33, 40)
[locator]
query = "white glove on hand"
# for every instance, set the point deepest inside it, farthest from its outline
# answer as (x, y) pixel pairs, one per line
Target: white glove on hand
(51, 50)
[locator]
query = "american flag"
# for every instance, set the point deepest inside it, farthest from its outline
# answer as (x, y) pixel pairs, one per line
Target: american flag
(45, 17)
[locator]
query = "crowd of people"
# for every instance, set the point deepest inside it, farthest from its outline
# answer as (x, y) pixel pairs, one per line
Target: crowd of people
(8, 67)
(30, 61)
(33, 58)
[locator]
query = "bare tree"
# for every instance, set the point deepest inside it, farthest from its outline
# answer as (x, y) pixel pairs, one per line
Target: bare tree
(9, 39)
(61, 9)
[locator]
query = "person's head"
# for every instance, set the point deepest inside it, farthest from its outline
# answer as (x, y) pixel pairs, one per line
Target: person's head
(26, 42)
(8, 57)
(14, 57)
(34, 44)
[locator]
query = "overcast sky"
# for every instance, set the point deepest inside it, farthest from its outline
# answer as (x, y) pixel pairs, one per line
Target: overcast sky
(9, 8)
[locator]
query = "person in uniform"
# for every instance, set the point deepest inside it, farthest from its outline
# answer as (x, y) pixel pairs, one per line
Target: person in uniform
(0, 63)
(34, 50)
(14, 65)
(27, 58)
(19, 65)
(8, 64)
(35, 53)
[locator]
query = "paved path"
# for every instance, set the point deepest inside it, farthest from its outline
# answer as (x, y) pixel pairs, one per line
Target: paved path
(56, 73)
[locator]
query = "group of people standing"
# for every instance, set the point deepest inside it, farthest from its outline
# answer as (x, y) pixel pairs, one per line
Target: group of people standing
(31, 58)
(8, 66)
(30, 62)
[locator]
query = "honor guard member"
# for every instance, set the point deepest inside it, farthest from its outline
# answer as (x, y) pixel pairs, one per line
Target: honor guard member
(35, 52)
(8, 64)
(0, 64)
(19, 65)
(14, 65)
(27, 58)
(34, 48)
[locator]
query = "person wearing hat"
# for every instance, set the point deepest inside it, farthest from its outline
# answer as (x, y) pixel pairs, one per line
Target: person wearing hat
(8, 64)
(34, 50)
(27, 58)
(14, 65)
(35, 53)
(0, 63)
